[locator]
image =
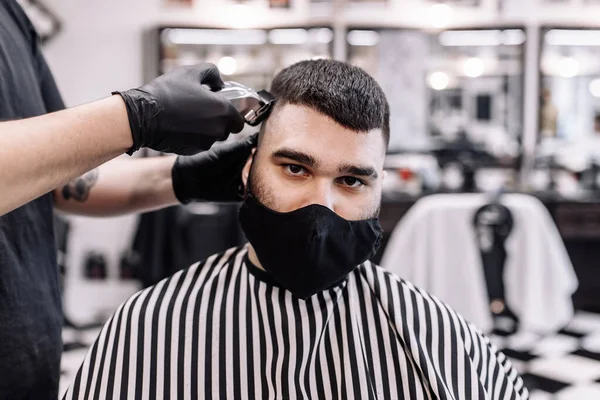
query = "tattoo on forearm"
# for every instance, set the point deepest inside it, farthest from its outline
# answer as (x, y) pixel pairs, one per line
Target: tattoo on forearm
(79, 189)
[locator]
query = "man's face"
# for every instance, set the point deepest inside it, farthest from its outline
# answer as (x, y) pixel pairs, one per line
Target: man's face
(305, 158)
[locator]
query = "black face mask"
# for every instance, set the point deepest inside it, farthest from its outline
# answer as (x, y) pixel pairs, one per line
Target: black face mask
(310, 249)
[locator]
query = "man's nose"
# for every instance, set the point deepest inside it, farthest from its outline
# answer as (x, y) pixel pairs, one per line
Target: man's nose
(321, 193)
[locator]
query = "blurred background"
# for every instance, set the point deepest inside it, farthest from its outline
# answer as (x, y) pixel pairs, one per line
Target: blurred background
(492, 200)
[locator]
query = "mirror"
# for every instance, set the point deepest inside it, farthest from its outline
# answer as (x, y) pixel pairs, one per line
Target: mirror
(570, 84)
(249, 56)
(569, 104)
(448, 86)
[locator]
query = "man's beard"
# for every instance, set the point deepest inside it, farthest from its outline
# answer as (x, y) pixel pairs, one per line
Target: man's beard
(256, 188)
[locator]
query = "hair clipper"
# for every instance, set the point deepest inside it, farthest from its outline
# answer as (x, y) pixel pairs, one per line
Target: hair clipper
(254, 106)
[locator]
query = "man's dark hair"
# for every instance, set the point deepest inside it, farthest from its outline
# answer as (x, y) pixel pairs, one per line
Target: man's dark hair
(343, 92)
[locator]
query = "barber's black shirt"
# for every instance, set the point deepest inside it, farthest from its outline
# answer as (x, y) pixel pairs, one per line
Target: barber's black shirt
(30, 309)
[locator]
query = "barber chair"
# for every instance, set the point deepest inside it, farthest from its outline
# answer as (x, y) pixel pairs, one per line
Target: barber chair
(479, 255)
(493, 223)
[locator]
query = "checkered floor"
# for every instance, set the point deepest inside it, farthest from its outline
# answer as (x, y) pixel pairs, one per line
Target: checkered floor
(563, 366)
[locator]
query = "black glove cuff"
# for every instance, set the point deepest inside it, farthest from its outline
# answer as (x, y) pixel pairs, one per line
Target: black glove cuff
(132, 117)
(141, 112)
(179, 187)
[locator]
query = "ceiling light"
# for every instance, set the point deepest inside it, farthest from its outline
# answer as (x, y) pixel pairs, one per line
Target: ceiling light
(227, 65)
(572, 37)
(362, 38)
(473, 67)
(322, 35)
(513, 37)
(439, 80)
(288, 36)
(215, 36)
(440, 15)
(470, 38)
(482, 37)
(568, 67)
(595, 87)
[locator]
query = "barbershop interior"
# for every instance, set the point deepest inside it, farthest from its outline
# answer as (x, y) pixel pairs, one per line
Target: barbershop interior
(488, 204)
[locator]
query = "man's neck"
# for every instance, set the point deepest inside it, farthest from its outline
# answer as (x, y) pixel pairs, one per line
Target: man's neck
(254, 258)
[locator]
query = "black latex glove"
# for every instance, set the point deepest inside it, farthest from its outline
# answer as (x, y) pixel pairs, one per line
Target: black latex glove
(175, 114)
(215, 175)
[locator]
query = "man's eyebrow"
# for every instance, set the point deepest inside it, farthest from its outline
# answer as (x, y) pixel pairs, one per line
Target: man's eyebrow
(297, 156)
(358, 170)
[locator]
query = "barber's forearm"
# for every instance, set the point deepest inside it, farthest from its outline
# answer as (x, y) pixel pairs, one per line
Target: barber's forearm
(42, 153)
(120, 187)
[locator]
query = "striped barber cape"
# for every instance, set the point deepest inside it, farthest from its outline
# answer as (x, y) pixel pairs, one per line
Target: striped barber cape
(223, 329)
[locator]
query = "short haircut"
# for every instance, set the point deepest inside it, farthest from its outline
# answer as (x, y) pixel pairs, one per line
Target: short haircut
(343, 92)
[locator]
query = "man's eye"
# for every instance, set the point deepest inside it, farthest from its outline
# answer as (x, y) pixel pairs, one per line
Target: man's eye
(352, 182)
(295, 169)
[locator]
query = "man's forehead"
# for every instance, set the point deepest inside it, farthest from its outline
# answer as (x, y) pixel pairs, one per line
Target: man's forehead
(303, 129)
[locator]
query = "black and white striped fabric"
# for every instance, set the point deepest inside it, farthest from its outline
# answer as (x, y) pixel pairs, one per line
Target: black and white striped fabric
(223, 329)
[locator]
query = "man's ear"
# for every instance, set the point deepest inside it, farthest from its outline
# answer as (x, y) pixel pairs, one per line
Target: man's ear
(246, 169)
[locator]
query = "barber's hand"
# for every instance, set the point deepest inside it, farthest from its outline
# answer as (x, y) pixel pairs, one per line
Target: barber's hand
(175, 114)
(215, 175)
